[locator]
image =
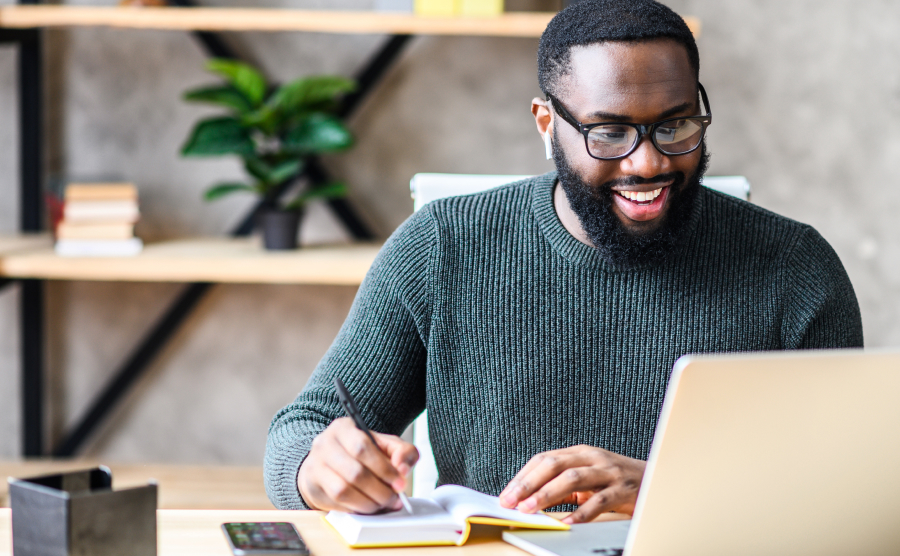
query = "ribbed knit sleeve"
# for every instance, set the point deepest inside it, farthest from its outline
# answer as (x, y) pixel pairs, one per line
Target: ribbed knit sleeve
(379, 353)
(821, 307)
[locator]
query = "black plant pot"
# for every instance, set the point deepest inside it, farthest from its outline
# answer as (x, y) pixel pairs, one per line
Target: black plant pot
(280, 228)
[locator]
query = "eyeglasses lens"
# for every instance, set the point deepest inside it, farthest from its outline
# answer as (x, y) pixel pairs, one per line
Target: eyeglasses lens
(608, 141)
(673, 137)
(678, 136)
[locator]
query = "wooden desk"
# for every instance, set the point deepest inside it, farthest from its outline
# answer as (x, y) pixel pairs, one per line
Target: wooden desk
(197, 533)
(180, 486)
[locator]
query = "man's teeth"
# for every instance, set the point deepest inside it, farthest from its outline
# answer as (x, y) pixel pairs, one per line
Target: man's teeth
(641, 196)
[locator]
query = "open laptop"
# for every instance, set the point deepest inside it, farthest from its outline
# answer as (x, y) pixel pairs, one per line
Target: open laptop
(774, 453)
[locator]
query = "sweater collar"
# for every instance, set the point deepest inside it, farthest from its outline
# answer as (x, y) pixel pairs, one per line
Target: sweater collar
(578, 253)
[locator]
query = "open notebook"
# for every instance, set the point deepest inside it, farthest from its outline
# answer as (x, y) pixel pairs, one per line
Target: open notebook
(444, 518)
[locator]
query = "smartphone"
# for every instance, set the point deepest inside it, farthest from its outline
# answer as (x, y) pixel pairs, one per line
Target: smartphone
(264, 538)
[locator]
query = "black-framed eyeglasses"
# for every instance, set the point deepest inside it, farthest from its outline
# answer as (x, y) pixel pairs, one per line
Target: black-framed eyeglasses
(612, 140)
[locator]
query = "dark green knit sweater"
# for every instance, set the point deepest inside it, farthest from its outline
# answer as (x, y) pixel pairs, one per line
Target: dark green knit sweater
(520, 339)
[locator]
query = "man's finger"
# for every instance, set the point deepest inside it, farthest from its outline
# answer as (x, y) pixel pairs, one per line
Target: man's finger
(356, 472)
(603, 501)
(343, 496)
(359, 446)
(402, 454)
(560, 488)
(540, 470)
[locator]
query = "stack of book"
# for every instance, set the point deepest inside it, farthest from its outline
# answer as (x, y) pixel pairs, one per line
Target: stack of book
(98, 221)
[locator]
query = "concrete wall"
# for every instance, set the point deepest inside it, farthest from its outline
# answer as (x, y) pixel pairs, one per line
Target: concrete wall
(805, 95)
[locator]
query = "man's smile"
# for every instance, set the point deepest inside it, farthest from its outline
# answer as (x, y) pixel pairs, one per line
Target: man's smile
(642, 205)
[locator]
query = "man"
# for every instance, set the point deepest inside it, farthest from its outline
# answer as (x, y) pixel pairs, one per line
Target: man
(539, 322)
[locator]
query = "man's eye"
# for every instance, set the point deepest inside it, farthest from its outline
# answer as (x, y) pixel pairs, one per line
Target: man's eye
(609, 134)
(678, 130)
(666, 133)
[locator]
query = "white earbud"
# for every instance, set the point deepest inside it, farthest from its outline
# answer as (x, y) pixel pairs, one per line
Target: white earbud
(548, 146)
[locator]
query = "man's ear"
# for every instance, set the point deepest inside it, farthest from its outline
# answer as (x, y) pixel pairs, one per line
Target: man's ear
(543, 117)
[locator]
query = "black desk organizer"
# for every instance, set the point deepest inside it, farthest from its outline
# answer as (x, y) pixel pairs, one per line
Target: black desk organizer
(78, 514)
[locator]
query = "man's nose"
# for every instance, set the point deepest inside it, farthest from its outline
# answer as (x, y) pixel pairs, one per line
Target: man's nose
(646, 161)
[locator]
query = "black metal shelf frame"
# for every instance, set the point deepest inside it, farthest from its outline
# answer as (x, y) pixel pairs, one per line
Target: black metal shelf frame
(31, 306)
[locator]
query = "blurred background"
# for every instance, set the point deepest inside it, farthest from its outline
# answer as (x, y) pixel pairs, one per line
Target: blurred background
(806, 99)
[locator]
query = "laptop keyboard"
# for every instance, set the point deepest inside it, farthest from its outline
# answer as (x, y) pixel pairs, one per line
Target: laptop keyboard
(608, 551)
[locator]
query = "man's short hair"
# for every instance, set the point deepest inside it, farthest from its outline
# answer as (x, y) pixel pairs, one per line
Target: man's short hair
(598, 21)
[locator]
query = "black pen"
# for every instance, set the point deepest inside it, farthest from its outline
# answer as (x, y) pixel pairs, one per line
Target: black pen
(350, 409)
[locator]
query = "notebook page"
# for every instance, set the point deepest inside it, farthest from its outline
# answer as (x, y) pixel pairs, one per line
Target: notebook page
(463, 503)
(429, 522)
(425, 512)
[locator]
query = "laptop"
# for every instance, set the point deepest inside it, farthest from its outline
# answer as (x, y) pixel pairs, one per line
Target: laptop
(772, 453)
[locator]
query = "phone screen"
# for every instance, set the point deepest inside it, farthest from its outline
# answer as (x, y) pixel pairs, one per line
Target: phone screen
(275, 538)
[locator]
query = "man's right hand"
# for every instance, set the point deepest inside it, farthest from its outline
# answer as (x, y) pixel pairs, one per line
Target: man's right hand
(344, 471)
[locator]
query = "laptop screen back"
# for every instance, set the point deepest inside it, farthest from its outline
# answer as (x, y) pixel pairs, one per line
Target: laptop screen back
(782, 453)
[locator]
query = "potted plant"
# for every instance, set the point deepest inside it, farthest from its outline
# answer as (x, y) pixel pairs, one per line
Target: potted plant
(274, 130)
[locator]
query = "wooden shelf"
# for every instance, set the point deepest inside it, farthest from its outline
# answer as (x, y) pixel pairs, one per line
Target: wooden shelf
(10, 244)
(521, 24)
(511, 24)
(194, 260)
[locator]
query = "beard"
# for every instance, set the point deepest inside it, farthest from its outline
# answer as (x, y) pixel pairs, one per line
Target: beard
(616, 244)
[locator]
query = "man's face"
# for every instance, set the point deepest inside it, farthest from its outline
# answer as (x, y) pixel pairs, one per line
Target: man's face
(636, 83)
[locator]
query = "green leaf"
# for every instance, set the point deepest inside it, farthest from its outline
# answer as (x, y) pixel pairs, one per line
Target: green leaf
(257, 167)
(286, 170)
(272, 174)
(221, 189)
(243, 77)
(226, 96)
(263, 118)
(317, 133)
(218, 136)
(309, 92)
(332, 190)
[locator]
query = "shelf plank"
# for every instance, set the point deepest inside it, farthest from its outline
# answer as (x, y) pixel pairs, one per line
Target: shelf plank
(10, 244)
(200, 260)
(520, 24)
(510, 24)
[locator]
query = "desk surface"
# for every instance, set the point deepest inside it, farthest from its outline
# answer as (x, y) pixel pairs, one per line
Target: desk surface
(197, 533)
(180, 486)
(192, 260)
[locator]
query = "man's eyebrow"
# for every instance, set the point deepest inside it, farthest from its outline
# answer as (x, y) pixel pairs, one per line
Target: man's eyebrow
(601, 116)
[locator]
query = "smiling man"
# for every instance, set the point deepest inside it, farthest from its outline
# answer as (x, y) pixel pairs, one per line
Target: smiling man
(538, 322)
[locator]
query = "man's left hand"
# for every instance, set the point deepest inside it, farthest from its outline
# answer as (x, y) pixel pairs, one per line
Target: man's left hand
(595, 479)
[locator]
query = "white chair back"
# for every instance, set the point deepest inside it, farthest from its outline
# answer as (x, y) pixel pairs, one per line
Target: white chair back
(425, 188)
(736, 186)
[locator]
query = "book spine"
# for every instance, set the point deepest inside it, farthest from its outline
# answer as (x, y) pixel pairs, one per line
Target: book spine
(98, 192)
(437, 8)
(101, 211)
(69, 230)
(481, 8)
(99, 247)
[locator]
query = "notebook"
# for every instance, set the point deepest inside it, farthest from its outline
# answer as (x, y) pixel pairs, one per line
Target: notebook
(444, 518)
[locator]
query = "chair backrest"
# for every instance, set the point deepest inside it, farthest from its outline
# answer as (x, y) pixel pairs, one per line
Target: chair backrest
(425, 188)
(736, 186)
